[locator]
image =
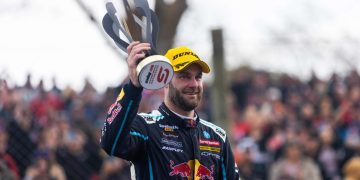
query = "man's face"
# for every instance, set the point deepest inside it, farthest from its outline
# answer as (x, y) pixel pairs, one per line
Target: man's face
(186, 88)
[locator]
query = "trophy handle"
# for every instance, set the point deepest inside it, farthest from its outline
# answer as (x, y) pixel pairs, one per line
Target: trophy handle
(132, 22)
(150, 26)
(111, 11)
(107, 23)
(140, 19)
(155, 30)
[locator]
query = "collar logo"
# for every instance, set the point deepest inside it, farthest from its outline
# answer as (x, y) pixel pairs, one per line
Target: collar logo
(191, 123)
(206, 135)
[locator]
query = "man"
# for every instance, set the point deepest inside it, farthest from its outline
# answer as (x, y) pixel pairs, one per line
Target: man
(171, 142)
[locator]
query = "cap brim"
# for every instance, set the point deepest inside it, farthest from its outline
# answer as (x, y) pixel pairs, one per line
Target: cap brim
(205, 68)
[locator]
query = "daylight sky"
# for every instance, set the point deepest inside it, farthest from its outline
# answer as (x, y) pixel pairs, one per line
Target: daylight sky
(54, 38)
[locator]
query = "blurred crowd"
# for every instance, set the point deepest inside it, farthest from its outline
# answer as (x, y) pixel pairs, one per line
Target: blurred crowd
(287, 129)
(282, 128)
(54, 134)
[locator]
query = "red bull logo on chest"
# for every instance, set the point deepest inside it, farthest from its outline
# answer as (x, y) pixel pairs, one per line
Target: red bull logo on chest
(182, 169)
(204, 173)
(192, 169)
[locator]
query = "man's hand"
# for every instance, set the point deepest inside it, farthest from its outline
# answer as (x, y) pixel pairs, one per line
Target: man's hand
(136, 52)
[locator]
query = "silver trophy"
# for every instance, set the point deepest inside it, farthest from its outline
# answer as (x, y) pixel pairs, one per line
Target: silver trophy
(135, 21)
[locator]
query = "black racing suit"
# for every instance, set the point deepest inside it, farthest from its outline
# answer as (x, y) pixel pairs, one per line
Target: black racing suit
(161, 145)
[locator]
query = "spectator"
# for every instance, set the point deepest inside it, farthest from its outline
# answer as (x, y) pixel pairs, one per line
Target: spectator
(74, 157)
(251, 162)
(352, 169)
(8, 167)
(294, 166)
(44, 167)
(327, 155)
(21, 146)
(114, 168)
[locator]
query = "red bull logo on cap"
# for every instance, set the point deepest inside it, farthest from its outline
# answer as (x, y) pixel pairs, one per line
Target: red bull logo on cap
(187, 169)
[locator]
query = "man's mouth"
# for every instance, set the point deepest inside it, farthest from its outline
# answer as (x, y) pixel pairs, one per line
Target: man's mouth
(191, 92)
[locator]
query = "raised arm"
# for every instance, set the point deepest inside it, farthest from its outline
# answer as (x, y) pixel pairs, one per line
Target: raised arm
(124, 133)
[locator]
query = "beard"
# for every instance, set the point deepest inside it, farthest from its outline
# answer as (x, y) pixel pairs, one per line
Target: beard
(177, 97)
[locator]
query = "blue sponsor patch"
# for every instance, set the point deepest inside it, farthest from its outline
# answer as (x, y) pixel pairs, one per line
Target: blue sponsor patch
(206, 135)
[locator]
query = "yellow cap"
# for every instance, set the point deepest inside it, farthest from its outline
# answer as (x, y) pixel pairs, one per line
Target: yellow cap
(182, 57)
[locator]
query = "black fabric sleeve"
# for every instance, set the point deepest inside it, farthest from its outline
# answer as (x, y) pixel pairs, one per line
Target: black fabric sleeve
(229, 169)
(124, 132)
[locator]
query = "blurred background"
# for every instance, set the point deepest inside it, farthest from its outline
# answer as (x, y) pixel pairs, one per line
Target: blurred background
(285, 84)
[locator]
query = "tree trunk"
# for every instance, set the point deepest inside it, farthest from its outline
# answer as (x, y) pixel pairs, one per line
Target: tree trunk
(219, 87)
(169, 15)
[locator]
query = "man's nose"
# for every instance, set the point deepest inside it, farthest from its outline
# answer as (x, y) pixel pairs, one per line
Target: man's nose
(193, 82)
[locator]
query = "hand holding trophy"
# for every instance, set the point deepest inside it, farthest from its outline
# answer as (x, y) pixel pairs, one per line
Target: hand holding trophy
(135, 21)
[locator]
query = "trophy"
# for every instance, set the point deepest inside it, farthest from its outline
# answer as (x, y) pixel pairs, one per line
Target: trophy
(135, 21)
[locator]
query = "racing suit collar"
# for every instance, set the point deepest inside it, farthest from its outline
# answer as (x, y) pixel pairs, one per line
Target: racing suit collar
(181, 122)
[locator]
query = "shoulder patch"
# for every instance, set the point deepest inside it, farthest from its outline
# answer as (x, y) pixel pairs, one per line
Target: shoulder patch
(218, 130)
(121, 95)
(151, 118)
